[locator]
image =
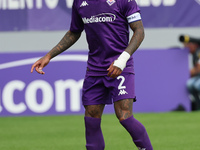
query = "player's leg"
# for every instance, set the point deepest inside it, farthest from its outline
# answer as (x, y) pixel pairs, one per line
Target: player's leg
(94, 136)
(193, 90)
(197, 89)
(94, 97)
(123, 110)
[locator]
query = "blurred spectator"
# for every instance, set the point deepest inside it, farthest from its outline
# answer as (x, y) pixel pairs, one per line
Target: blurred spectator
(193, 84)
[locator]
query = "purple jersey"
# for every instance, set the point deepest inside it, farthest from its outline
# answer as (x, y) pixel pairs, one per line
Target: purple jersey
(106, 25)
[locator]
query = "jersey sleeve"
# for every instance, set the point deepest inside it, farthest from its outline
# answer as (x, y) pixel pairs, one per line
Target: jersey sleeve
(130, 10)
(77, 24)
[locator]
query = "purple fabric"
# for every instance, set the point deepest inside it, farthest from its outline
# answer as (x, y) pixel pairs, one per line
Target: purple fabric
(106, 30)
(105, 90)
(93, 133)
(138, 133)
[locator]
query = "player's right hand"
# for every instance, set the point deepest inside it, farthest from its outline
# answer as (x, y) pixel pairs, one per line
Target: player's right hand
(40, 64)
(114, 71)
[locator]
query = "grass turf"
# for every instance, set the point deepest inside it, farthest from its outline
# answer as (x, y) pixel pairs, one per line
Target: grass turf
(168, 131)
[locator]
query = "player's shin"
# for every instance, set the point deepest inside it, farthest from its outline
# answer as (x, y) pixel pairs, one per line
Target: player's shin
(93, 133)
(138, 133)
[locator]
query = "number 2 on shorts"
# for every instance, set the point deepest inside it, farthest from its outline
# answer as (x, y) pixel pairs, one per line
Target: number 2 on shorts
(121, 83)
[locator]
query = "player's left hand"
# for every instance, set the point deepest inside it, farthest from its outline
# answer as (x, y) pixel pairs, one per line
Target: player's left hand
(113, 71)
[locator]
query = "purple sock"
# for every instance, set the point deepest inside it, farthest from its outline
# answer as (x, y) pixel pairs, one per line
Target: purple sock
(94, 136)
(138, 133)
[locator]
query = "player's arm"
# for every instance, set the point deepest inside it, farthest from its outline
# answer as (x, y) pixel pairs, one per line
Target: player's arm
(117, 67)
(195, 70)
(137, 38)
(67, 41)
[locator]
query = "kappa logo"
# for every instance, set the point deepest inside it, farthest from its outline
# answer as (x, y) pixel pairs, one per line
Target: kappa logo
(110, 2)
(122, 92)
(84, 3)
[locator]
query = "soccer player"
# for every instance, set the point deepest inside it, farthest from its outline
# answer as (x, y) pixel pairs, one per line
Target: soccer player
(110, 75)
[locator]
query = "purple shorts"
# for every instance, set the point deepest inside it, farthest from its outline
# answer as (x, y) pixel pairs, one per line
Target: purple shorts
(106, 90)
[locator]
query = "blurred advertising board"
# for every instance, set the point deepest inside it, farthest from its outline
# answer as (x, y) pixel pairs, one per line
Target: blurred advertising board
(160, 83)
(18, 15)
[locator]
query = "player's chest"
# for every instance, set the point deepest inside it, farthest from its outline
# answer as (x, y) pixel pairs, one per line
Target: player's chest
(90, 8)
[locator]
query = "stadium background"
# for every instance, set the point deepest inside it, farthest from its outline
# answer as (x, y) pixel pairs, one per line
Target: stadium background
(34, 27)
(34, 115)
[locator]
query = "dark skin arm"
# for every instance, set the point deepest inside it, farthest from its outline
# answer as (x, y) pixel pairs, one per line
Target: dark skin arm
(195, 71)
(67, 41)
(136, 40)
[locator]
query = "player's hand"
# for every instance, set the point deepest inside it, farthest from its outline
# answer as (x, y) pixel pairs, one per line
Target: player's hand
(113, 71)
(40, 64)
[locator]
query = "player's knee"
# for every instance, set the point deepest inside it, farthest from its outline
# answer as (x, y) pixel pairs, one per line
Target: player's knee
(123, 109)
(123, 115)
(93, 111)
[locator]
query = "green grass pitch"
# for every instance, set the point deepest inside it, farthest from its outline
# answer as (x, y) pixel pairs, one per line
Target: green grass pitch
(168, 131)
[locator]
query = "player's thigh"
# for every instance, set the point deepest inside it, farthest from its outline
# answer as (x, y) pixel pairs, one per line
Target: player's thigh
(190, 83)
(197, 85)
(95, 111)
(94, 91)
(123, 108)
